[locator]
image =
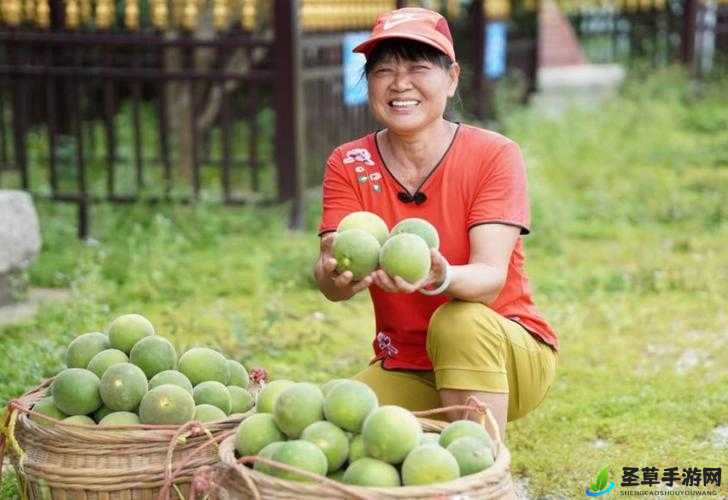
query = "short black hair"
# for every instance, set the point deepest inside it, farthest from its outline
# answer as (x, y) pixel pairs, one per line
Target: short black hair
(402, 49)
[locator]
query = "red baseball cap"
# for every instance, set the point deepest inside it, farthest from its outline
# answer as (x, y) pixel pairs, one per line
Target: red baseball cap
(412, 23)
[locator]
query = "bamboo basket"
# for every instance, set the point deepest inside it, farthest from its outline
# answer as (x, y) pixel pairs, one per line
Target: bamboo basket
(233, 480)
(72, 462)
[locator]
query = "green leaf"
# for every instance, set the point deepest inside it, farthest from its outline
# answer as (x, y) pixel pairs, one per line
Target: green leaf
(602, 479)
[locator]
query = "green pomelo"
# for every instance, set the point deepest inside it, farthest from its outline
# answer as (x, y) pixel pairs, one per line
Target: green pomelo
(357, 251)
(79, 420)
(46, 407)
(102, 412)
(421, 228)
(303, 455)
(255, 433)
(366, 221)
(407, 256)
(268, 396)
(166, 404)
(240, 399)
(127, 330)
(84, 347)
(326, 388)
(237, 374)
(356, 449)
(212, 393)
(349, 403)
(123, 386)
(461, 428)
(201, 364)
(430, 438)
(267, 452)
(76, 392)
(472, 454)
(208, 413)
(297, 407)
(120, 418)
(429, 464)
(337, 475)
(103, 360)
(332, 441)
(372, 472)
(171, 377)
(390, 433)
(154, 355)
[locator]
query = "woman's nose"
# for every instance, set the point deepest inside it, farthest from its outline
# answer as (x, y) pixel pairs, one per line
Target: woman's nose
(401, 81)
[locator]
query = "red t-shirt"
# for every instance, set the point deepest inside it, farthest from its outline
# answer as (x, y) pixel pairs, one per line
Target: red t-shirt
(481, 179)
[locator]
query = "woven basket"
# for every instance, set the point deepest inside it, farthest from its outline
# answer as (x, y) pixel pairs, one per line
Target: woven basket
(66, 461)
(233, 480)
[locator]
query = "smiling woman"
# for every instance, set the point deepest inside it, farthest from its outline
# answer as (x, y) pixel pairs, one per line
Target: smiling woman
(478, 333)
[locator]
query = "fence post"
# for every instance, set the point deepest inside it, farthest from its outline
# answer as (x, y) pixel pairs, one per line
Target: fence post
(687, 39)
(289, 138)
(533, 67)
(478, 85)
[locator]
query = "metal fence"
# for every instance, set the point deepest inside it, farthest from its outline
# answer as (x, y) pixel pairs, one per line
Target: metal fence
(659, 32)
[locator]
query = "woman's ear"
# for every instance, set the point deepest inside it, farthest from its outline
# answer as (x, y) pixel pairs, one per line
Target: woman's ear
(454, 73)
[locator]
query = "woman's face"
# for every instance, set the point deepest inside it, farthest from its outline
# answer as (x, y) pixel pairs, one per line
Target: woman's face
(407, 96)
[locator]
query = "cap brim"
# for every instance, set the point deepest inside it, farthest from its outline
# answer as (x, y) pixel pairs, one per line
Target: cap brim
(367, 46)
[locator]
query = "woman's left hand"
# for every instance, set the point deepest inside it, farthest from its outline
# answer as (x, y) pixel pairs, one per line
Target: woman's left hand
(396, 284)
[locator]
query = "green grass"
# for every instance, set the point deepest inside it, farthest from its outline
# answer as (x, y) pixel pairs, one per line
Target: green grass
(627, 260)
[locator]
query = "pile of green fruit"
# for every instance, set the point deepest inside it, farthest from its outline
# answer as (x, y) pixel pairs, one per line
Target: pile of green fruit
(339, 430)
(132, 376)
(364, 243)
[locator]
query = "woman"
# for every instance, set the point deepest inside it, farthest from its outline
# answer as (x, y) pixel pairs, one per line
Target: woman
(470, 328)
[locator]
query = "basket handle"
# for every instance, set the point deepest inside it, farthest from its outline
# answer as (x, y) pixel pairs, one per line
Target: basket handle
(7, 426)
(473, 404)
(289, 468)
(190, 428)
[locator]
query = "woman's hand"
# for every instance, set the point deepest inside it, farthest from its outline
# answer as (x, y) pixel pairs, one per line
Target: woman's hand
(343, 281)
(438, 270)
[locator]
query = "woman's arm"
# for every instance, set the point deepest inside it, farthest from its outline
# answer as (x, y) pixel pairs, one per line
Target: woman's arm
(480, 280)
(483, 277)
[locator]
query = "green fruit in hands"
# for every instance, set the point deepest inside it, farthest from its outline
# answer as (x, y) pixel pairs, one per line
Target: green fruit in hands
(421, 228)
(357, 251)
(407, 256)
(366, 221)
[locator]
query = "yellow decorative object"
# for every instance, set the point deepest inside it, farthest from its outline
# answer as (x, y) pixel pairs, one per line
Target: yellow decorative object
(28, 11)
(159, 14)
(105, 13)
(496, 9)
(248, 15)
(43, 14)
(72, 14)
(219, 14)
(11, 12)
(131, 14)
(87, 15)
(453, 9)
(190, 14)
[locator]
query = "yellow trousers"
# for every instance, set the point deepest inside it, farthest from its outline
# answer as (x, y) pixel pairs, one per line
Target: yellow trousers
(472, 348)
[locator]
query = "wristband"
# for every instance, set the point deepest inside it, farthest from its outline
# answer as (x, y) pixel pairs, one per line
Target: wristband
(440, 289)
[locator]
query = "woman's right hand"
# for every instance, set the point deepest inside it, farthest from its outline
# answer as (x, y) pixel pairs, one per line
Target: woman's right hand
(344, 282)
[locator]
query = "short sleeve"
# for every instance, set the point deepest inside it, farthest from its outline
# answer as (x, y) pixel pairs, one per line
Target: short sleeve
(501, 195)
(339, 198)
